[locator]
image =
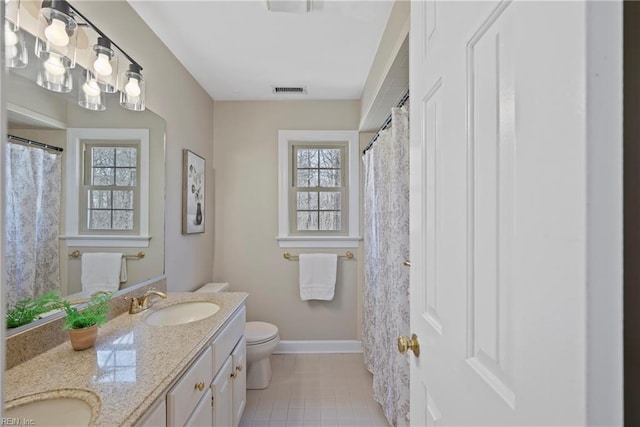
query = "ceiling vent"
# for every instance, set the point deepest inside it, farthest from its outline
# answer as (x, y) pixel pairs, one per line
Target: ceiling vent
(291, 90)
(291, 6)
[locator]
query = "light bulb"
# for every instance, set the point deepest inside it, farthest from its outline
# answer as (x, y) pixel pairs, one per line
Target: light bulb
(132, 88)
(10, 43)
(91, 88)
(56, 33)
(10, 52)
(10, 38)
(102, 65)
(54, 66)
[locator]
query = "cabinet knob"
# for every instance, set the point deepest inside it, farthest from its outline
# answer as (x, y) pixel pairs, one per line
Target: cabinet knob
(239, 367)
(234, 374)
(199, 386)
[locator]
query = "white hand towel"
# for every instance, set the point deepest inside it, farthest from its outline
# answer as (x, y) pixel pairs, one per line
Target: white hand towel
(101, 271)
(123, 271)
(318, 276)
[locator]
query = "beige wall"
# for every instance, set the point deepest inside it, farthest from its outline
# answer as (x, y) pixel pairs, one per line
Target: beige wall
(176, 96)
(246, 217)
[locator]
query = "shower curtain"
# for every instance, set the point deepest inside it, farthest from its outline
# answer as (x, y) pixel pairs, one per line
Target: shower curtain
(32, 221)
(386, 246)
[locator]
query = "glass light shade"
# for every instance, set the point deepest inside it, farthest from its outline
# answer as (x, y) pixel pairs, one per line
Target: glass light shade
(14, 46)
(132, 90)
(57, 32)
(53, 75)
(15, 50)
(103, 63)
(90, 94)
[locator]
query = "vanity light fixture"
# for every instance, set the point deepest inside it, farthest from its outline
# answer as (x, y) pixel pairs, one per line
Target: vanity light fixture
(15, 50)
(55, 46)
(132, 92)
(57, 32)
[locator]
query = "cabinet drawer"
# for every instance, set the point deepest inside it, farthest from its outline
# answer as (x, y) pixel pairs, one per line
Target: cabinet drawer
(223, 344)
(186, 394)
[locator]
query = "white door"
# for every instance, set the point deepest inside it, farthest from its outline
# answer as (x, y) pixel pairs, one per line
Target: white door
(499, 213)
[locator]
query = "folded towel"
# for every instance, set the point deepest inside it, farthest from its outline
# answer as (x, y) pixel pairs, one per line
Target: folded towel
(101, 271)
(318, 276)
(123, 270)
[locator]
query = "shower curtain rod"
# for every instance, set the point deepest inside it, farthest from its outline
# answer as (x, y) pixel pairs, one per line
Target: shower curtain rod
(35, 143)
(386, 124)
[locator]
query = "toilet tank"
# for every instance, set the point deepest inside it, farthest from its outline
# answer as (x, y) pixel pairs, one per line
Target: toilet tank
(213, 287)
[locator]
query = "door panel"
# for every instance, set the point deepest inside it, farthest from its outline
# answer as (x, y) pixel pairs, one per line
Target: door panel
(498, 212)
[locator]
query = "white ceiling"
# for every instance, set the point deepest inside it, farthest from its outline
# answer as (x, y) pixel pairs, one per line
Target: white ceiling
(238, 49)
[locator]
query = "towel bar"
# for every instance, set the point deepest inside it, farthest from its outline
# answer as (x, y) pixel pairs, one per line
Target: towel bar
(139, 255)
(290, 257)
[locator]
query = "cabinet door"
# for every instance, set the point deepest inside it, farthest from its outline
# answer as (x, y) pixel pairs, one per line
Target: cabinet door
(186, 394)
(202, 415)
(239, 379)
(157, 416)
(223, 395)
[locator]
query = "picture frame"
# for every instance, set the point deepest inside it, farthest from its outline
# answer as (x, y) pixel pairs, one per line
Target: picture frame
(193, 192)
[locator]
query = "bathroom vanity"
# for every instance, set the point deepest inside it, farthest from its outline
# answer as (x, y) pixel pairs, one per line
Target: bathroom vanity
(212, 391)
(144, 375)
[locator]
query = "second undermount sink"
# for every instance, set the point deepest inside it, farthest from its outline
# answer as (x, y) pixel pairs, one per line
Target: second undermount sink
(52, 410)
(181, 313)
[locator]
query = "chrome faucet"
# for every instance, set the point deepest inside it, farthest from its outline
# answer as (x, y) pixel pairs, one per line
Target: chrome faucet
(142, 303)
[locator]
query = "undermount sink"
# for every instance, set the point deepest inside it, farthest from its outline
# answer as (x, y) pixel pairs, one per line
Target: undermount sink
(181, 313)
(53, 409)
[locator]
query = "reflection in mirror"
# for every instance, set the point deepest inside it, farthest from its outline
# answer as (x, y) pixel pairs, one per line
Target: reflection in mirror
(43, 252)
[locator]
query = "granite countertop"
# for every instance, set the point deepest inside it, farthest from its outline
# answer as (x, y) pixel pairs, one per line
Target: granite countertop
(131, 365)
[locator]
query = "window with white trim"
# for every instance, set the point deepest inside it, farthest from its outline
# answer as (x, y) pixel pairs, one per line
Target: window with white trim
(318, 189)
(107, 188)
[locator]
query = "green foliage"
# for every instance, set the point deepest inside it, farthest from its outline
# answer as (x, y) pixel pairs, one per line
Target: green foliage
(29, 309)
(95, 313)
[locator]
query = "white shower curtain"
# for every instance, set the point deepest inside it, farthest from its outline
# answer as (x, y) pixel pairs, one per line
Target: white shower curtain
(32, 221)
(386, 245)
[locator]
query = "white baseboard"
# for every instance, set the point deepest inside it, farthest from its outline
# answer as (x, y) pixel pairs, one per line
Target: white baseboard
(338, 346)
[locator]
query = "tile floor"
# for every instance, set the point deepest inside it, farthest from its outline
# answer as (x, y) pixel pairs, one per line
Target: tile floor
(315, 390)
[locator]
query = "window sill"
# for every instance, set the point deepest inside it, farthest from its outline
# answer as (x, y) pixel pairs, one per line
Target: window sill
(106, 241)
(318, 241)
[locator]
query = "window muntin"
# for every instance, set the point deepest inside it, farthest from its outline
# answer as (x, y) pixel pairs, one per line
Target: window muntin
(318, 188)
(110, 190)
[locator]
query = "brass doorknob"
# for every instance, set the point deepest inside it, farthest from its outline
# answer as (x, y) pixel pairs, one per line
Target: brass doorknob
(405, 344)
(199, 386)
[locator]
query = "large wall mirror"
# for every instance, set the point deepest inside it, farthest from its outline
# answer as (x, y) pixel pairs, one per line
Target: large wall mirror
(36, 114)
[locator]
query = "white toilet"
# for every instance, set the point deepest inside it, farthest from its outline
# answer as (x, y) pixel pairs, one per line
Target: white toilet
(262, 338)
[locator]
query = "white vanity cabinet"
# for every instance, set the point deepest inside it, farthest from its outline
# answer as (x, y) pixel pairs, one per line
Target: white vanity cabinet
(229, 385)
(212, 390)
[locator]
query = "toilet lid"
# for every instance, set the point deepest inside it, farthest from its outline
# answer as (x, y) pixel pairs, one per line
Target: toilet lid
(259, 332)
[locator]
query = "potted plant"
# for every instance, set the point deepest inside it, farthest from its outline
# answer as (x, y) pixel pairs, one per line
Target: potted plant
(83, 324)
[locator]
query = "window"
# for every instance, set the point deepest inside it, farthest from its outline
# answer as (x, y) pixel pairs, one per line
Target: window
(318, 189)
(107, 173)
(109, 196)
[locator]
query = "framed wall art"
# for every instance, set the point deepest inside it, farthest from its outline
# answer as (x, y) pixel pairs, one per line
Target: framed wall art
(193, 180)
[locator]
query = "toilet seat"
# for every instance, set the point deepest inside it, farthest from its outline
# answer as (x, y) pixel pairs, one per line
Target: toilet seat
(260, 332)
